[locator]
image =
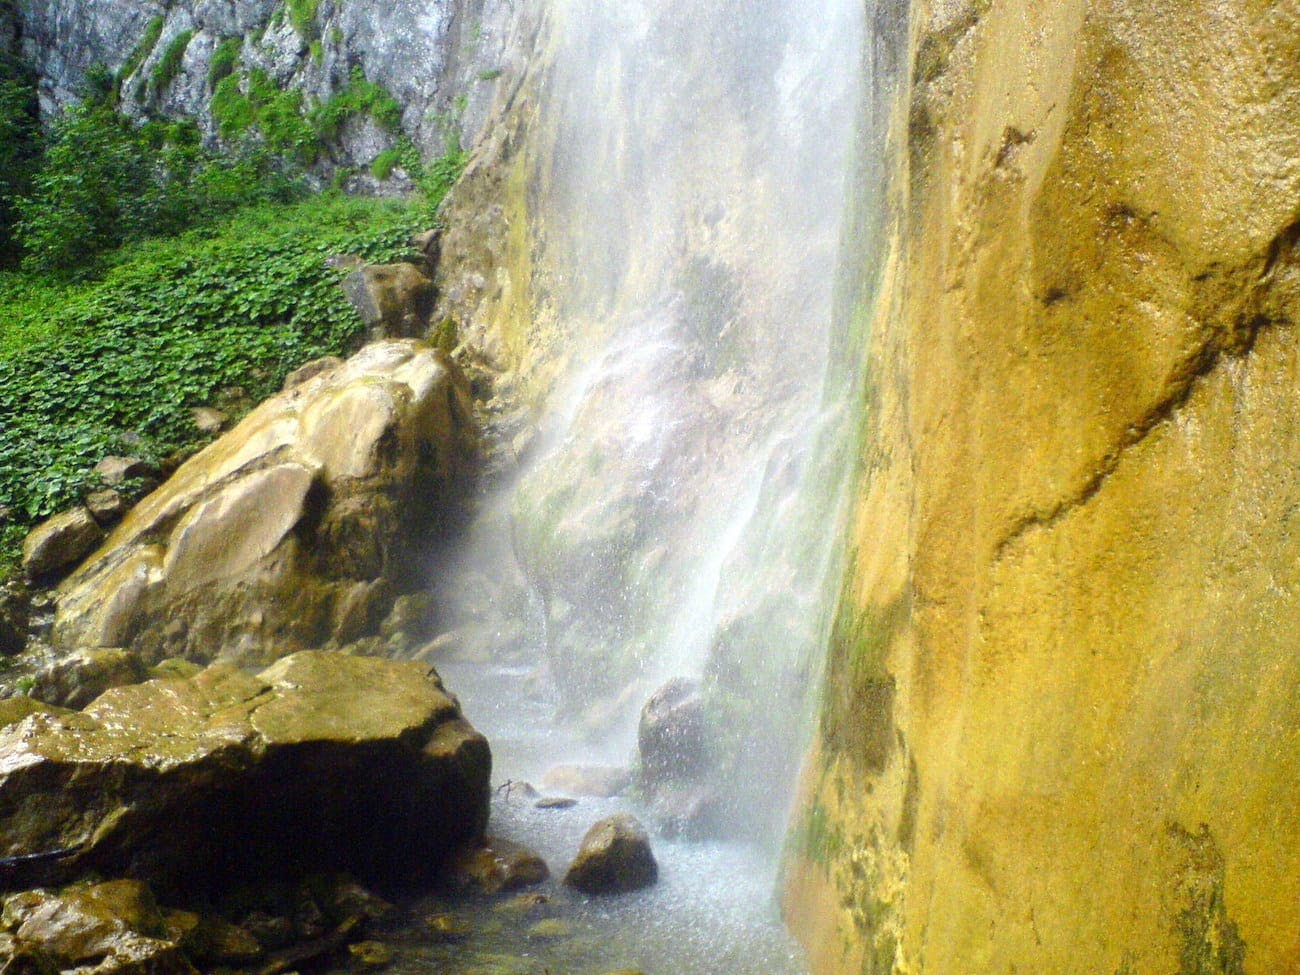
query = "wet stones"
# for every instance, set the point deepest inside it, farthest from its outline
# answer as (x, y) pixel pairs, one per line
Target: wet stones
(615, 857)
(594, 781)
(377, 751)
(496, 866)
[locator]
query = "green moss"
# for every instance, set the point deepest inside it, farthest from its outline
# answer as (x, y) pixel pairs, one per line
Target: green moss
(445, 335)
(302, 14)
(385, 163)
(225, 59)
(336, 36)
(492, 75)
(142, 50)
(169, 65)
(317, 52)
(232, 109)
(360, 97)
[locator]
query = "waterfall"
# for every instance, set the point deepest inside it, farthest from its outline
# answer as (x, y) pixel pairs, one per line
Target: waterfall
(675, 510)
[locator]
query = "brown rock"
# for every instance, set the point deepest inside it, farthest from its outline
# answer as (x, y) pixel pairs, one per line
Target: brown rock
(393, 777)
(113, 929)
(106, 506)
(615, 856)
(393, 300)
(59, 543)
(310, 370)
(297, 528)
(496, 866)
(114, 470)
(595, 781)
(208, 420)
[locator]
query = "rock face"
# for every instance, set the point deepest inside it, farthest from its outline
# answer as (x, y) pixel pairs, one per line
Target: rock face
(321, 761)
(1060, 730)
(294, 530)
(438, 61)
(615, 857)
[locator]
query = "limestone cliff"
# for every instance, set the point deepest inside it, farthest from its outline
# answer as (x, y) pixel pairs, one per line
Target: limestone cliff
(438, 60)
(1060, 732)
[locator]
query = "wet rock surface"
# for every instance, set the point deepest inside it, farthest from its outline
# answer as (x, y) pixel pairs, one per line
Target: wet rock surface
(296, 529)
(496, 866)
(322, 760)
(598, 781)
(615, 857)
(677, 774)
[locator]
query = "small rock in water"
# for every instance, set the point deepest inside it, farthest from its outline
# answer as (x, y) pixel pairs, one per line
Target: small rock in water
(594, 781)
(370, 954)
(550, 929)
(615, 857)
(495, 866)
(448, 927)
(556, 802)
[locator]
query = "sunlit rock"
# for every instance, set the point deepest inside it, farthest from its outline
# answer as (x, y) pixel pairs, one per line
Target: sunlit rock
(615, 857)
(296, 529)
(60, 542)
(76, 680)
(322, 760)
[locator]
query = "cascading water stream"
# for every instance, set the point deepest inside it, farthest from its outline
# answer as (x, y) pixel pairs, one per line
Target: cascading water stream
(675, 514)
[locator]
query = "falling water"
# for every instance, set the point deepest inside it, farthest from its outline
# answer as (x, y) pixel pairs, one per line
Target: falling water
(675, 514)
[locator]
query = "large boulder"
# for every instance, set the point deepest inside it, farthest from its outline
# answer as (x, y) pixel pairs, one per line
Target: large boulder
(294, 530)
(615, 857)
(677, 771)
(321, 761)
(393, 300)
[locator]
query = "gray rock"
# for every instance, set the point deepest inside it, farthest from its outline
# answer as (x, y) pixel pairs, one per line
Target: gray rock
(114, 470)
(322, 761)
(59, 543)
(615, 857)
(595, 781)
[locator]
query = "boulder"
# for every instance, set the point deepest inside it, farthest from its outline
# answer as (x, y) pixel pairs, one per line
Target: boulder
(677, 772)
(615, 856)
(496, 866)
(76, 680)
(393, 300)
(594, 781)
(114, 470)
(59, 543)
(321, 761)
(296, 529)
(672, 734)
(112, 928)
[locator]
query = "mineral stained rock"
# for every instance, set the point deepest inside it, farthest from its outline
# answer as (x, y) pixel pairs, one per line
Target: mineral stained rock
(321, 761)
(615, 857)
(294, 530)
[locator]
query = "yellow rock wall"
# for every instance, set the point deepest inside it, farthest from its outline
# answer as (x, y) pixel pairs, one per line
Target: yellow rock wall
(1062, 725)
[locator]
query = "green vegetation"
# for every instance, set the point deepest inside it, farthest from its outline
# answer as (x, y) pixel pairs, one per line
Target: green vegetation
(114, 365)
(169, 65)
(19, 148)
(142, 50)
(360, 97)
(225, 59)
(302, 14)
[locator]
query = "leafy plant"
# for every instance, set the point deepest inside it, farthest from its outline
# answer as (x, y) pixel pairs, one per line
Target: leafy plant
(360, 97)
(152, 32)
(302, 14)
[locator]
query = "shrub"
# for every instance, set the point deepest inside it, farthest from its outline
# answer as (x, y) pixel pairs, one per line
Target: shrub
(360, 97)
(225, 59)
(169, 65)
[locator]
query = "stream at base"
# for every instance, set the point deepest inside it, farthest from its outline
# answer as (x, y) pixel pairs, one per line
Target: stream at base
(713, 909)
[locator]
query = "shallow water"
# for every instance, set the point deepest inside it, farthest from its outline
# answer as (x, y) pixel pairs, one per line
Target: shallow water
(712, 911)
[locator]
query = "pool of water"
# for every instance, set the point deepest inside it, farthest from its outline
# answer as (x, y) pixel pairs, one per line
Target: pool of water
(713, 909)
